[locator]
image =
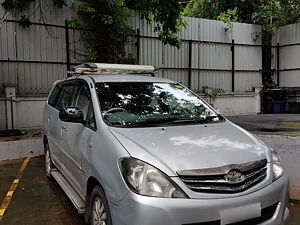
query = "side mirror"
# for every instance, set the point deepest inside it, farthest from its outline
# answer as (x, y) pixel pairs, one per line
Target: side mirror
(71, 114)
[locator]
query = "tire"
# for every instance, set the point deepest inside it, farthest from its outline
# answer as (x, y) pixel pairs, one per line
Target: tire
(99, 209)
(48, 162)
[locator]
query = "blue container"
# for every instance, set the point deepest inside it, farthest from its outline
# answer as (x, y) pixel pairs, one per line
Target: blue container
(278, 107)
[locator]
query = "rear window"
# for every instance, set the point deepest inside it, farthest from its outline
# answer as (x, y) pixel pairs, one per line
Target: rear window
(54, 96)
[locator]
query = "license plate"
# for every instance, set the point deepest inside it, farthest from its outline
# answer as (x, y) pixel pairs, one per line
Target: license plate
(233, 215)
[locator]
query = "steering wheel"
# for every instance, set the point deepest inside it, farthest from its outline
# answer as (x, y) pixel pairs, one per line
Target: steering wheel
(112, 110)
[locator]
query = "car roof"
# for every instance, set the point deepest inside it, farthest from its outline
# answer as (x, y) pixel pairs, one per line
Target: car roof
(99, 78)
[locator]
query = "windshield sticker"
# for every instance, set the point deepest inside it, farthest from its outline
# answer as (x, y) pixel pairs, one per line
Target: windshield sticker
(178, 86)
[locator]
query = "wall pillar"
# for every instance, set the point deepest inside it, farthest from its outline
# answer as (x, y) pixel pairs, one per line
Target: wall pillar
(258, 99)
(10, 106)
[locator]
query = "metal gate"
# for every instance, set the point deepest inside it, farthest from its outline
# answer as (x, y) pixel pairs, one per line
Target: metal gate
(283, 100)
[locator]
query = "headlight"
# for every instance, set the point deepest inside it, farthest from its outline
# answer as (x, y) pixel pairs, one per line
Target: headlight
(276, 165)
(144, 179)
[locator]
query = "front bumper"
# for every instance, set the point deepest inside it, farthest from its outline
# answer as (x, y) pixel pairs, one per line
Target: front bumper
(141, 210)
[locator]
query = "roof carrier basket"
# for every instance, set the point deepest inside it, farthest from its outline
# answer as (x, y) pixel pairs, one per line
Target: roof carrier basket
(103, 68)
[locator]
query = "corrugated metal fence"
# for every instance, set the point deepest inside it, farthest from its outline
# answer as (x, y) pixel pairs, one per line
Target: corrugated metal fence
(286, 56)
(209, 56)
(34, 57)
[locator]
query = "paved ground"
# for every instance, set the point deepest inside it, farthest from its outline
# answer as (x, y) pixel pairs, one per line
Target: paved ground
(274, 124)
(37, 201)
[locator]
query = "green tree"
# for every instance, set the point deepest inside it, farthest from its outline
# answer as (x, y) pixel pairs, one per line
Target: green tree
(105, 30)
(212, 9)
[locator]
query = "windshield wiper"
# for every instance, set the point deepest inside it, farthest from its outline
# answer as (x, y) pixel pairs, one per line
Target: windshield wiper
(155, 121)
(195, 120)
(169, 121)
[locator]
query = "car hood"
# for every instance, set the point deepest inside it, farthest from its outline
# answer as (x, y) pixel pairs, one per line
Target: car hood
(189, 147)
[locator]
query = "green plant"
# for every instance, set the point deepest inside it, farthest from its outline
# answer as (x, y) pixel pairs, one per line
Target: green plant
(213, 94)
(16, 5)
(60, 3)
(24, 21)
(229, 17)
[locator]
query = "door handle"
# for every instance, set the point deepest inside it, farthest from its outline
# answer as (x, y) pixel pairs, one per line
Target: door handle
(49, 119)
(64, 128)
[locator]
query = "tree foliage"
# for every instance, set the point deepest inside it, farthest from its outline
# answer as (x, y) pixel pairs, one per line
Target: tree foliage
(212, 9)
(105, 30)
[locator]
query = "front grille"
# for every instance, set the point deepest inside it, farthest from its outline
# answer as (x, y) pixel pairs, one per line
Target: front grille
(266, 214)
(226, 179)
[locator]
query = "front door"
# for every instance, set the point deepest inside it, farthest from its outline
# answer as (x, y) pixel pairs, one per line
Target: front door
(76, 137)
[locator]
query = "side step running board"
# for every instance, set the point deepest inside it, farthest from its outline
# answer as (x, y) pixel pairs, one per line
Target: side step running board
(69, 190)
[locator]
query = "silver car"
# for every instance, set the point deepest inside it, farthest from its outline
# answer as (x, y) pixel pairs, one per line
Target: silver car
(129, 148)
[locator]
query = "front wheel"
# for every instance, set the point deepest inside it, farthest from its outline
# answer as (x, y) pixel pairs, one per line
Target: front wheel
(48, 162)
(99, 213)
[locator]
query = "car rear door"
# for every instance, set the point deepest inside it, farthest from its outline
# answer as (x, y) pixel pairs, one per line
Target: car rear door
(51, 120)
(61, 157)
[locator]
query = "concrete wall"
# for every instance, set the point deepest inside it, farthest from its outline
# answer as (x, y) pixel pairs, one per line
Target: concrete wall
(28, 113)
(234, 104)
(21, 148)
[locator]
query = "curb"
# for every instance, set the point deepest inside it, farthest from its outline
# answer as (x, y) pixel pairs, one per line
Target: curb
(21, 148)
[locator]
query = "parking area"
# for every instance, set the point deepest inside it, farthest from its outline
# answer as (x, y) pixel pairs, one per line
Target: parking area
(36, 200)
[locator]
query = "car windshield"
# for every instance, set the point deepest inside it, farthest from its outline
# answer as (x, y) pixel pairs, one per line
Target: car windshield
(148, 104)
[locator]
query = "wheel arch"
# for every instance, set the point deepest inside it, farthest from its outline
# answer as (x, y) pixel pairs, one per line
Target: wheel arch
(91, 183)
(45, 141)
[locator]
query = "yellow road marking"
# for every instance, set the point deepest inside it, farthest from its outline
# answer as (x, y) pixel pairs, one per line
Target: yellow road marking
(16, 181)
(12, 188)
(9, 193)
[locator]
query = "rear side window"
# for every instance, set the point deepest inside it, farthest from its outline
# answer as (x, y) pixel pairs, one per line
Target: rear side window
(66, 96)
(54, 96)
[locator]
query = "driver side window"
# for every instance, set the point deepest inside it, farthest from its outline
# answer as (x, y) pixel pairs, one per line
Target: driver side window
(65, 98)
(84, 102)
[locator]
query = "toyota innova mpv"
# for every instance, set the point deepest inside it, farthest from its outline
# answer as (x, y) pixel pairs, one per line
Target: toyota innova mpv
(129, 148)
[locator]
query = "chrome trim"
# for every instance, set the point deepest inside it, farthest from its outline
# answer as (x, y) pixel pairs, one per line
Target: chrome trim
(233, 189)
(223, 169)
(223, 181)
(230, 178)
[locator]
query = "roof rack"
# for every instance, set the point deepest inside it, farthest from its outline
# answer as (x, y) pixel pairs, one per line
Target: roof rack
(103, 68)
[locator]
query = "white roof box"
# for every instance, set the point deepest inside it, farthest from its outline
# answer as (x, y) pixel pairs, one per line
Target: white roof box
(103, 68)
